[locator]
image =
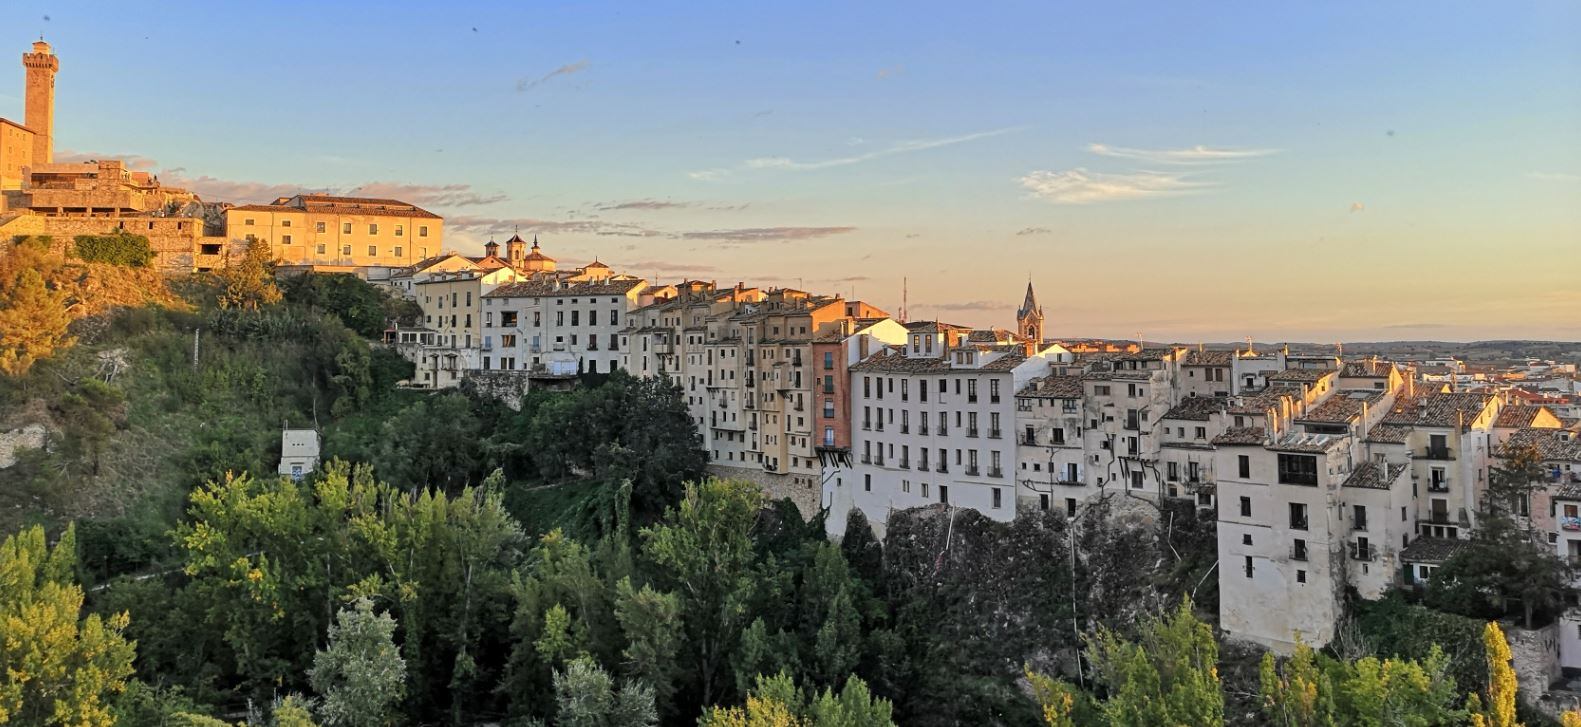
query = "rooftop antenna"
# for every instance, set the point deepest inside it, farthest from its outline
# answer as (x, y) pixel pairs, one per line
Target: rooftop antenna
(904, 283)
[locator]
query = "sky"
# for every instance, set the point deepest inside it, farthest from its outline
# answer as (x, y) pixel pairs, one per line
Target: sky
(1180, 171)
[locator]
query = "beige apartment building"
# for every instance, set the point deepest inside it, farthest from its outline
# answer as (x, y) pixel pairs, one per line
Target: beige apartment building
(325, 232)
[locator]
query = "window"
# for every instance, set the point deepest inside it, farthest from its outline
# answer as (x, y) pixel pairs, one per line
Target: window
(345, 250)
(828, 358)
(248, 221)
(1298, 516)
(400, 230)
(373, 251)
(321, 249)
(1297, 469)
(944, 494)
(318, 227)
(1301, 576)
(1248, 566)
(1246, 506)
(867, 483)
(285, 239)
(373, 229)
(345, 228)
(1299, 550)
(398, 251)
(1246, 467)
(998, 497)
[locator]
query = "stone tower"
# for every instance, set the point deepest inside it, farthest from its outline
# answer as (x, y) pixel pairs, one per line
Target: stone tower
(516, 251)
(1029, 319)
(41, 65)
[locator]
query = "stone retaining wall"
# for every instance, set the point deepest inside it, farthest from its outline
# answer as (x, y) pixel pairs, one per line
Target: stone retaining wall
(808, 497)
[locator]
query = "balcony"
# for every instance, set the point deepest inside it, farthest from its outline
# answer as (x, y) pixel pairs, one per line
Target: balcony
(971, 471)
(867, 459)
(971, 398)
(922, 430)
(1030, 440)
(905, 465)
(1438, 517)
(1298, 523)
(867, 426)
(1364, 553)
(879, 460)
(1298, 552)
(996, 472)
(943, 469)
(1439, 453)
(922, 466)
(1359, 524)
(995, 434)
(905, 429)
(993, 399)
(971, 432)
(1438, 486)
(944, 431)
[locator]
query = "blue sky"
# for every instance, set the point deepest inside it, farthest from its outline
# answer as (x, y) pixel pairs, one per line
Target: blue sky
(1285, 171)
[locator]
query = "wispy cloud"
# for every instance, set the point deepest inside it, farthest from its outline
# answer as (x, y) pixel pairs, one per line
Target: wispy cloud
(1358, 207)
(709, 175)
(434, 195)
(1025, 231)
(1562, 177)
(480, 225)
(133, 161)
(1191, 155)
(1079, 186)
(644, 204)
(900, 147)
(970, 305)
(766, 234)
(527, 84)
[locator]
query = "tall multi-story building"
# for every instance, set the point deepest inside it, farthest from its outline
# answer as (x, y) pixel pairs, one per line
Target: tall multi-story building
(450, 341)
(340, 234)
(572, 320)
(933, 423)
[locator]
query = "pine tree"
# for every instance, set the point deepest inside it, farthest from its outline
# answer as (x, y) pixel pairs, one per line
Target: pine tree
(249, 283)
(33, 321)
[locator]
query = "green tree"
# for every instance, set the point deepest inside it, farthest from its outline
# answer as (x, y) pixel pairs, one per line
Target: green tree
(1313, 689)
(56, 667)
(360, 676)
(1055, 699)
(249, 282)
(1169, 676)
(651, 622)
(586, 697)
(777, 702)
(433, 441)
(703, 554)
(292, 711)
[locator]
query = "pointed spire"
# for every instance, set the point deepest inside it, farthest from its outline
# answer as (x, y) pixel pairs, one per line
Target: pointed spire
(1030, 304)
(535, 241)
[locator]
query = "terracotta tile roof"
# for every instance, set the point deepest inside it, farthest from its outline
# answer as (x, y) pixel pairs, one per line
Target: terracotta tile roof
(1551, 444)
(1342, 407)
(1053, 387)
(1004, 363)
(1209, 358)
(1439, 409)
(1198, 408)
(345, 205)
(1307, 376)
(1372, 476)
(1366, 370)
(1241, 436)
(552, 288)
(1432, 550)
(891, 360)
(1516, 416)
(1389, 434)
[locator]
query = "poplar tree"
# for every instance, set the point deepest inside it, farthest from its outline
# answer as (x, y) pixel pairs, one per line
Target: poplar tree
(56, 667)
(360, 675)
(1499, 709)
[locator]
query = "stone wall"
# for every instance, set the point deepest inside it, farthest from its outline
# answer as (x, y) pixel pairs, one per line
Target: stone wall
(775, 486)
(1535, 655)
(507, 386)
